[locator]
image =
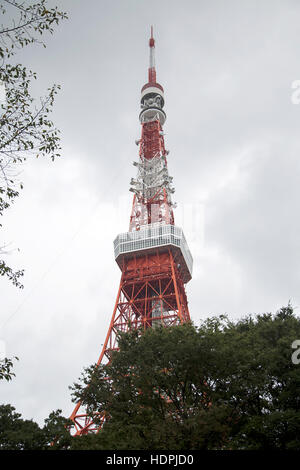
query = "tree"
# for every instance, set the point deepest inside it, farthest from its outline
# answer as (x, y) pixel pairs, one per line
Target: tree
(17, 433)
(25, 127)
(223, 385)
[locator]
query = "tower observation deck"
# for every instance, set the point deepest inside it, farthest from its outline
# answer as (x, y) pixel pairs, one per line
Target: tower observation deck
(153, 256)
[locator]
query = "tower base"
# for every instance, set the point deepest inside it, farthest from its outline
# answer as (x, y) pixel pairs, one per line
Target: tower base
(151, 294)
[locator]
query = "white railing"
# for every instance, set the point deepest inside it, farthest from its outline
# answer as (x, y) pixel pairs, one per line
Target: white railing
(151, 236)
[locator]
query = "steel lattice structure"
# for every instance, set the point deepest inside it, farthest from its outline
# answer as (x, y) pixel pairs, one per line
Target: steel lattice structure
(153, 256)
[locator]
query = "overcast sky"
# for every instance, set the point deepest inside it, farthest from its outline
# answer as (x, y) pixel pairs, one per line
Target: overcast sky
(227, 67)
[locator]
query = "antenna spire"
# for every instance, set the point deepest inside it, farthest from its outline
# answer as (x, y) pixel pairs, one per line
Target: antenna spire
(151, 70)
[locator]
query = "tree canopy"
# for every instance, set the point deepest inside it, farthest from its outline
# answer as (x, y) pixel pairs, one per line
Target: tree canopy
(17, 433)
(223, 385)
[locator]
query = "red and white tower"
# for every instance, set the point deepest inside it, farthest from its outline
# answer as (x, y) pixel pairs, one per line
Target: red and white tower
(153, 256)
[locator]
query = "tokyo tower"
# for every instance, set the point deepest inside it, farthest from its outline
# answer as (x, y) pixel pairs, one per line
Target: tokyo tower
(153, 256)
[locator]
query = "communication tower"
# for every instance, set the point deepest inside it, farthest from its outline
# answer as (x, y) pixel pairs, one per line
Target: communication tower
(153, 256)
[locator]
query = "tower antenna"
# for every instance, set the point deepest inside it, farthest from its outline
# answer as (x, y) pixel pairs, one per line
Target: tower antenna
(151, 70)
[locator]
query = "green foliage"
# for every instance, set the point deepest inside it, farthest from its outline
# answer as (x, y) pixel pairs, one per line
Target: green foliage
(6, 365)
(17, 433)
(56, 432)
(11, 274)
(25, 127)
(223, 385)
